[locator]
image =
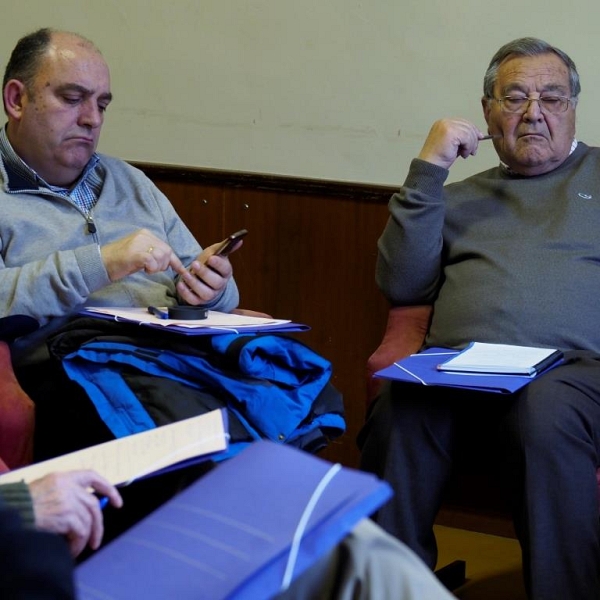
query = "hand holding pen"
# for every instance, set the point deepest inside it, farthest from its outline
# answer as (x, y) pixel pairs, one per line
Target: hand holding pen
(67, 503)
(450, 139)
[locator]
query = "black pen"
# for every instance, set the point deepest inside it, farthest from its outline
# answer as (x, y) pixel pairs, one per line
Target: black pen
(157, 312)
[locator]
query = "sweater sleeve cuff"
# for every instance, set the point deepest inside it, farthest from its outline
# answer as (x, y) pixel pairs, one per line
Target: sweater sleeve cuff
(426, 177)
(92, 268)
(17, 496)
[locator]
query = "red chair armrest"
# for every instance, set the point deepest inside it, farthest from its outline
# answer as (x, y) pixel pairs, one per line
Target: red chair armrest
(404, 334)
(17, 416)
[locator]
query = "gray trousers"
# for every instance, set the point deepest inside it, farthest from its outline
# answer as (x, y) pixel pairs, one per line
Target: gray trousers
(368, 564)
(550, 441)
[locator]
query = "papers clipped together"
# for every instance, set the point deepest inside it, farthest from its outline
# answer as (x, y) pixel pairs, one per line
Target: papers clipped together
(214, 323)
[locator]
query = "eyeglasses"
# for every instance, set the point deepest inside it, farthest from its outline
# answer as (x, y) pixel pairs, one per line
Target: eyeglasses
(520, 104)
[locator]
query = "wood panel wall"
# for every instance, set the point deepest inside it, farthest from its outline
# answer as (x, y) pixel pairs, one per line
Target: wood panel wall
(309, 256)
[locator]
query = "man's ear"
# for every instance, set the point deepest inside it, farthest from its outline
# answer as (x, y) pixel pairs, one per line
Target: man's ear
(485, 104)
(14, 92)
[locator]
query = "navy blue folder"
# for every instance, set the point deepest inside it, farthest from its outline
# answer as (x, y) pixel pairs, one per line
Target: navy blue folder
(230, 534)
(422, 369)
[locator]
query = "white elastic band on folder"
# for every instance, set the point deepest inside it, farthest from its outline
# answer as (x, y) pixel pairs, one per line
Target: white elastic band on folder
(422, 354)
(310, 506)
(410, 373)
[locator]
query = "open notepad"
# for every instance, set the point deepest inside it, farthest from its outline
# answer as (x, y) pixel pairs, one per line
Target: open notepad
(504, 359)
(136, 456)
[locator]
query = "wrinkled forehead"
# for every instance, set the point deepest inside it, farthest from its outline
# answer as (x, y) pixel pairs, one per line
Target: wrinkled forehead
(544, 71)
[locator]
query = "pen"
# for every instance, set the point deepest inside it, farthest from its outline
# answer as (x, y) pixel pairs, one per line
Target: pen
(157, 312)
(103, 501)
(490, 137)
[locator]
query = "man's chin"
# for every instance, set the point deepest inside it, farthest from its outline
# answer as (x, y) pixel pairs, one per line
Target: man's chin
(533, 163)
(68, 170)
(77, 160)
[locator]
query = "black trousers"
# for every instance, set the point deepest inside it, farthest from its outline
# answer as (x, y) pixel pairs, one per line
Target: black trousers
(548, 435)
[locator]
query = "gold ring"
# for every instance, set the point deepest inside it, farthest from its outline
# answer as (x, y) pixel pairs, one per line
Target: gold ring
(150, 249)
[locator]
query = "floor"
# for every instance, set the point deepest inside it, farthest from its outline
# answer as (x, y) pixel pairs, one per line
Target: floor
(493, 563)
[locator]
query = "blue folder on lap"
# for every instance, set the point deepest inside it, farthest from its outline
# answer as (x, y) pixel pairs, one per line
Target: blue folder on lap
(422, 369)
(230, 534)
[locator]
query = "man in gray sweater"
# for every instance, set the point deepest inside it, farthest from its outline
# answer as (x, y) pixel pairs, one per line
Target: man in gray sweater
(510, 255)
(79, 228)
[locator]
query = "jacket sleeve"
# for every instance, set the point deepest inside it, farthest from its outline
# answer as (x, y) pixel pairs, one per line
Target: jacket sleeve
(17, 496)
(409, 257)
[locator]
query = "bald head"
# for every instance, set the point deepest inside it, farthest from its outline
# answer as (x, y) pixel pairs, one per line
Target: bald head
(26, 57)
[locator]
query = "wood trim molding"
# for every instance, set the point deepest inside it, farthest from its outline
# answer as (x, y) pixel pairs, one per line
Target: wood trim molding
(289, 184)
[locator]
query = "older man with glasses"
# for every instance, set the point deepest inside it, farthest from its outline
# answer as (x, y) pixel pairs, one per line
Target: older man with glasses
(510, 255)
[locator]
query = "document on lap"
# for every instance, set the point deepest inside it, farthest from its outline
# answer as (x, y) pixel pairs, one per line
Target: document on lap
(430, 368)
(506, 359)
(215, 322)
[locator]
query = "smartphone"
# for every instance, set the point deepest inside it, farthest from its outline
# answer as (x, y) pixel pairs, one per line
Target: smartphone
(227, 245)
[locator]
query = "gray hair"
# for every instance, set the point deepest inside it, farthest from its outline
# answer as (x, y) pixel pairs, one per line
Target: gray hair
(528, 46)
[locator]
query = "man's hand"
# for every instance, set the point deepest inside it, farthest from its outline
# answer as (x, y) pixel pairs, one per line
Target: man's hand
(448, 139)
(63, 503)
(207, 277)
(139, 251)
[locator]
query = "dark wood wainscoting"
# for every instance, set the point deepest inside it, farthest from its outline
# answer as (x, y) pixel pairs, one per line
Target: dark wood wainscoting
(309, 256)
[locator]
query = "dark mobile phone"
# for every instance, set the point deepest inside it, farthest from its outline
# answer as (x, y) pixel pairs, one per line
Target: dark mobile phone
(229, 243)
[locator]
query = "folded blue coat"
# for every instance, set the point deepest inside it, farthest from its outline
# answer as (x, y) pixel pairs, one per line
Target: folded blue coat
(273, 386)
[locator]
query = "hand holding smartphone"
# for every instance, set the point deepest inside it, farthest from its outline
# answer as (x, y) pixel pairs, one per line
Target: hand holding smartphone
(229, 243)
(226, 246)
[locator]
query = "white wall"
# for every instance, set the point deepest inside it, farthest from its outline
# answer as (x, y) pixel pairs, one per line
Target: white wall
(330, 89)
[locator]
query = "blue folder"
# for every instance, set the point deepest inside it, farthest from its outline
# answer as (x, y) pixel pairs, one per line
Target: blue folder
(229, 535)
(422, 369)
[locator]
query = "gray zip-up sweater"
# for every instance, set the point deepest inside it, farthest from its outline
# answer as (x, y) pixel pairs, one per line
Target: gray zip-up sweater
(50, 263)
(503, 258)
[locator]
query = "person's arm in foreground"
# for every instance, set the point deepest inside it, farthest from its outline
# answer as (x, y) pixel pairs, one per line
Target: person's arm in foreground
(63, 503)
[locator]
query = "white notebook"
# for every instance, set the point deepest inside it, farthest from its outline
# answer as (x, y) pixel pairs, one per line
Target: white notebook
(480, 357)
